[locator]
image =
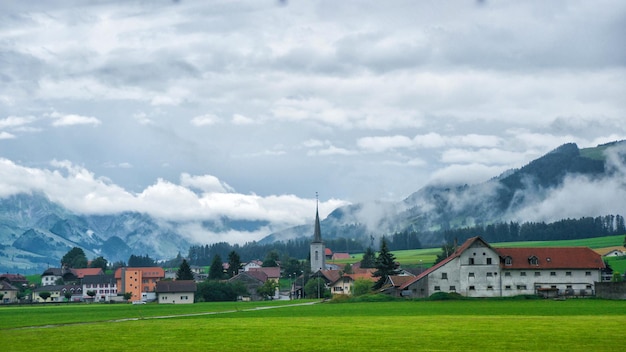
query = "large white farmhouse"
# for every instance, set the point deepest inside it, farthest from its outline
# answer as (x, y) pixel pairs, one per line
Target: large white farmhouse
(478, 270)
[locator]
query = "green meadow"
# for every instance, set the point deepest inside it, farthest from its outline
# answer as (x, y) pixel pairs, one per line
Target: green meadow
(474, 325)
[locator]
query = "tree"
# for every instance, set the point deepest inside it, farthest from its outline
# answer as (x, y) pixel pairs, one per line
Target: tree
(91, 293)
(447, 250)
(44, 295)
(216, 291)
(127, 295)
(99, 262)
(271, 259)
(216, 271)
(385, 264)
(291, 266)
(184, 271)
(268, 289)
(369, 259)
(316, 288)
(1, 296)
(75, 258)
(234, 264)
(361, 287)
(347, 269)
(617, 277)
(139, 261)
(67, 295)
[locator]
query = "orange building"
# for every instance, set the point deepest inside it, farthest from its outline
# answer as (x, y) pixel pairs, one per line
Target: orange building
(138, 280)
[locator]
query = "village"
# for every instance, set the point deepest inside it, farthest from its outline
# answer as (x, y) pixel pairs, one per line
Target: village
(474, 269)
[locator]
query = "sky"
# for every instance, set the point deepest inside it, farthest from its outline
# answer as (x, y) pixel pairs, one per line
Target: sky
(200, 109)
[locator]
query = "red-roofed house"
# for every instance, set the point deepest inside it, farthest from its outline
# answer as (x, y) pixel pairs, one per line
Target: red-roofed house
(337, 256)
(478, 270)
(344, 284)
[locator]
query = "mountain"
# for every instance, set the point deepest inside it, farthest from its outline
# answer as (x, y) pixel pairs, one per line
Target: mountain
(568, 182)
(546, 189)
(35, 233)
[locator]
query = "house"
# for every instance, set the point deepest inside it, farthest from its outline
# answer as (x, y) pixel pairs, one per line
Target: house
(339, 256)
(394, 282)
(251, 280)
(16, 280)
(611, 251)
(57, 293)
(51, 276)
(176, 291)
(140, 282)
(478, 270)
(345, 283)
(8, 291)
(252, 264)
(105, 287)
(272, 272)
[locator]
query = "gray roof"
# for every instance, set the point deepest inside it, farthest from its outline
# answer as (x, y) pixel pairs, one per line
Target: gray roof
(166, 286)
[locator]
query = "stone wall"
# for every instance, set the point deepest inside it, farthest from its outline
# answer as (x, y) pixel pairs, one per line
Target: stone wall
(611, 290)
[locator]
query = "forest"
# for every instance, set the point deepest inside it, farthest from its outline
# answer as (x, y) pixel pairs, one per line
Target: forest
(585, 227)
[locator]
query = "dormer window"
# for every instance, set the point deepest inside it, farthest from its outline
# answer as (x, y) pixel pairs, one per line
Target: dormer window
(508, 260)
(533, 260)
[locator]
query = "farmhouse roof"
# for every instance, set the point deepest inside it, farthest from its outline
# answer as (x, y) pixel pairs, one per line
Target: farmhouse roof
(14, 278)
(341, 256)
(5, 286)
(81, 273)
(176, 286)
(270, 271)
(550, 258)
(99, 279)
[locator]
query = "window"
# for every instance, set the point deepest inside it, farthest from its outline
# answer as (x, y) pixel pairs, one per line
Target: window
(471, 261)
(488, 260)
(490, 287)
(472, 288)
(471, 275)
(523, 273)
(521, 287)
(507, 274)
(587, 273)
(489, 274)
(507, 287)
(508, 261)
(533, 260)
(444, 276)
(452, 288)
(569, 287)
(537, 273)
(589, 287)
(437, 288)
(553, 273)
(568, 273)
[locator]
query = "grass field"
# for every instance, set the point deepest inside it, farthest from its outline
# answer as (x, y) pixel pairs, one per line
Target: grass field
(474, 325)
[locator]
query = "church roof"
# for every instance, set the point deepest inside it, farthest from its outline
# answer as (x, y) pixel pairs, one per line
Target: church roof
(317, 234)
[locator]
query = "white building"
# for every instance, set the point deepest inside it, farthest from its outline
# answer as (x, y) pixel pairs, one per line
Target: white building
(478, 270)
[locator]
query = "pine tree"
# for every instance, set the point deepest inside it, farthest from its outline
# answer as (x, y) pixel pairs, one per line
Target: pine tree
(184, 271)
(369, 258)
(234, 262)
(385, 264)
(216, 272)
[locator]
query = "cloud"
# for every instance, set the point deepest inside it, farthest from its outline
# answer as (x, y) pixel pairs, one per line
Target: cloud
(205, 120)
(6, 135)
(16, 121)
(80, 191)
(239, 119)
(581, 196)
(62, 120)
(426, 141)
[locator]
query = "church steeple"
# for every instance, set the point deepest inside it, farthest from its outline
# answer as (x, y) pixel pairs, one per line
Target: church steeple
(317, 250)
(317, 233)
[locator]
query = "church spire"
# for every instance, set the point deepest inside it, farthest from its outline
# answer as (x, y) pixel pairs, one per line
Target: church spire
(317, 234)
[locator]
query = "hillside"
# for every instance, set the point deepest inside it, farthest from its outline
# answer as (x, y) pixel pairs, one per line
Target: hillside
(534, 192)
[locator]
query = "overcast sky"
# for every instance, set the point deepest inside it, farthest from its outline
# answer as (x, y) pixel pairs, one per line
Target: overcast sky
(196, 109)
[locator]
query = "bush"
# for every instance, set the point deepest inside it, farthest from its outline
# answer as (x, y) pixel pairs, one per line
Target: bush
(445, 296)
